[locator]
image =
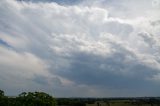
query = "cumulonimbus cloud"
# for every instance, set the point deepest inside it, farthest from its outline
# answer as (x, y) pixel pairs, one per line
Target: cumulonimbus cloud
(82, 47)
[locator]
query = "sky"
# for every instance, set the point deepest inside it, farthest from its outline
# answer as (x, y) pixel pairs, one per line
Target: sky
(80, 48)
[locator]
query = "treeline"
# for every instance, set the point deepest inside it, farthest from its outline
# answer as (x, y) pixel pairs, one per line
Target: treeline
(43, 99)
(27, 99)
(71, 101)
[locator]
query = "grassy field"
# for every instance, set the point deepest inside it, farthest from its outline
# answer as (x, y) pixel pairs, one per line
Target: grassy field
(137, 102)
(130, 103)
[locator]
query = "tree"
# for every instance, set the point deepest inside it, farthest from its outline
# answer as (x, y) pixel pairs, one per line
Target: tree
(36, 99)
(27, 99)
(3, 99)
(1, 93)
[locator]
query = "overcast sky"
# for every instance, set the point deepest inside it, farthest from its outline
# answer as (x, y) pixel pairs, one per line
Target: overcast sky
(80, 48)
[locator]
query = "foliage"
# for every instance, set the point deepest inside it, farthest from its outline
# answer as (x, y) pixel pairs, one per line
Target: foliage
(27, 99)
(1, 93)
(43, 99)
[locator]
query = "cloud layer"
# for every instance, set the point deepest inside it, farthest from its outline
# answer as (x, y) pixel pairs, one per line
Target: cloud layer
(89, 48)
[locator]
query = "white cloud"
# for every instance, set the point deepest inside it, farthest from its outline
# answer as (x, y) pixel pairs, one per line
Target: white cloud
(19, 69)
(24, 65)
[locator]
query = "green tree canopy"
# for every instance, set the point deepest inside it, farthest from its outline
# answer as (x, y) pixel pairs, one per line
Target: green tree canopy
(36, 99)
(27, 99)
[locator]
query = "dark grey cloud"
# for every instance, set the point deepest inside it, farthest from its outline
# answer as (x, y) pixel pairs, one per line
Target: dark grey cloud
(111, 72)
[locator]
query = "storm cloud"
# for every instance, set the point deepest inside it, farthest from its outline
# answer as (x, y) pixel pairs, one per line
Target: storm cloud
(89, 48)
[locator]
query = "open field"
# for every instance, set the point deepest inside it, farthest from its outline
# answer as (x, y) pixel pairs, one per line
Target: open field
(108, 102)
